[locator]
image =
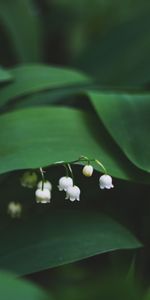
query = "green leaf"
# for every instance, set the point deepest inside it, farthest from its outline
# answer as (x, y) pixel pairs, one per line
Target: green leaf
(5, 76)
(147, 295)
(126, 116)
(58, 96)
(54, 238)
(12, 288)
(22, 23)
(121, 58)
(35, 78)
(36, 137)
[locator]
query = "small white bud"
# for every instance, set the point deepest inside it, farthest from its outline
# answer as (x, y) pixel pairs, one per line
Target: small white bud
(14, 209)
(47, 185)
(29, 179)
(73, 193)
(87, 170)
(64, 183)
(42, 196)
(105, 182)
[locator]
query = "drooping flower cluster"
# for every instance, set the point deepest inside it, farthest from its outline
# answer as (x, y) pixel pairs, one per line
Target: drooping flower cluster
(43, 193)
(72, 191)
(66, 184)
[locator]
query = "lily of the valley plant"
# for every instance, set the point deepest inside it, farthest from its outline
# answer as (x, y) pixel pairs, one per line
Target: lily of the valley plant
(43, 193)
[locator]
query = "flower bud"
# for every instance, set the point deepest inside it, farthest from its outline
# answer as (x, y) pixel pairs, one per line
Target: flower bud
(87, 170)
(42, 196)
(64, 183)
(73, 193)
(105, 182)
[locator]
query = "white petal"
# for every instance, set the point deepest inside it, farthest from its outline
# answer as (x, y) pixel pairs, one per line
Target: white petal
(47, 185)
(43, 196)
(105, 181)
(72, 199)
(60, 189)
(64, 183)
(73, 193)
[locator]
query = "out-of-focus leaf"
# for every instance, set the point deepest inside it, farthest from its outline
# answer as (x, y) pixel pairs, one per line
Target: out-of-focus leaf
(122, 56)
(12, 288)
(127, 118)
(111, 285)
(147, 296)
(36, 137)
(58, 237)
(58, 96)
(5, 76)
(23, 26)
(35, 78)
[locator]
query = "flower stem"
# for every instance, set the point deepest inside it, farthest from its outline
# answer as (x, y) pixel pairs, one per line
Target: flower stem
(43, 178)
(66, 168)
(71, 173)
(101, 165)
(84, 158)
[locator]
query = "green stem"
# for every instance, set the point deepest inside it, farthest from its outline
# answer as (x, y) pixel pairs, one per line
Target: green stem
(82, 158)
(101, 165)
(43, 178)
(71, 173)
(66, 168)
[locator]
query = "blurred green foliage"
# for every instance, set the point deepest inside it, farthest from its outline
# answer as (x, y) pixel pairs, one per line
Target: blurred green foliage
(74, 80)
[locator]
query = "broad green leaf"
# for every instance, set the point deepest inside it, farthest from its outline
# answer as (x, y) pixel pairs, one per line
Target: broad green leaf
(121, 57)
(21, 21)
(31, 138)
(5, 75)
(127, 118)
(35, 78)
(12, 288)
(54, 238)
(56, 96)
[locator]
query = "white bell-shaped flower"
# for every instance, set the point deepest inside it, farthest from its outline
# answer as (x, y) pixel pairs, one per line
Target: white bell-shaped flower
(47, 185)
(64, 183)
(43, 196)
(14, 209)
(105, 182)
(87, 170)
(73, 193)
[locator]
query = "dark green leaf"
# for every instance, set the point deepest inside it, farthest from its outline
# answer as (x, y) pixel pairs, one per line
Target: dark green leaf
(35, 78)
(122, 56)
(59, 237)
(127, 118)
(36, 137)
(22, 23)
